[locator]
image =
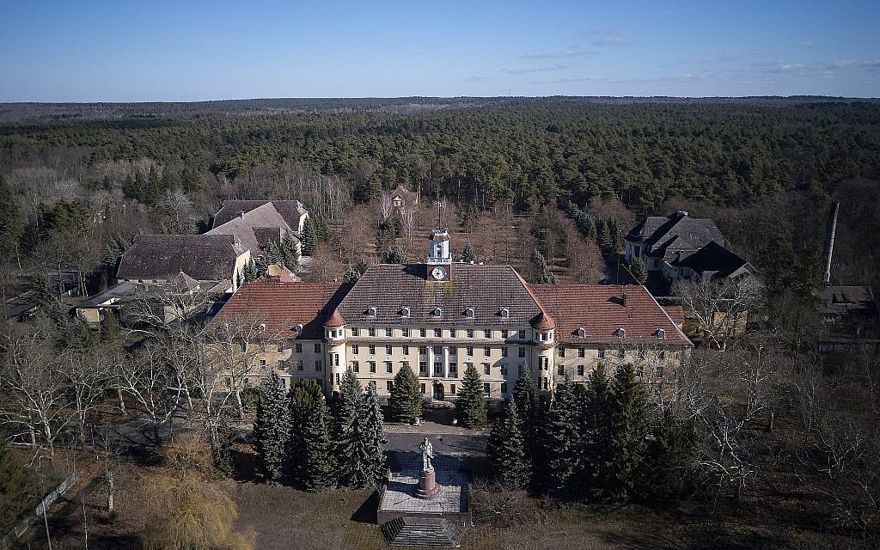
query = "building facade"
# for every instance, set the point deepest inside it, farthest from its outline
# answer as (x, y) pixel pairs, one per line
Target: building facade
(439, 317)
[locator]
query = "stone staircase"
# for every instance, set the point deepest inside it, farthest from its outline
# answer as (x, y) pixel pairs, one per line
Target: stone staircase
(423, 531)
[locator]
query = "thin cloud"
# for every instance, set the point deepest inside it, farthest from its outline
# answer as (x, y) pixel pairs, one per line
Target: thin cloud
(807, 44)
(565, 54)
(475, 78)
(823, 69)
(682, 78)
(611, 41)
(535, 70)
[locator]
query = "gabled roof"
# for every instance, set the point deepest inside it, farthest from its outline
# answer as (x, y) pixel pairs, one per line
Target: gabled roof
(600, 310)
(488, 289)
(290, 211)
(283, 306)
(676, 234)
(844, 300)
(202, 257)
(713, 258)
(253, 227)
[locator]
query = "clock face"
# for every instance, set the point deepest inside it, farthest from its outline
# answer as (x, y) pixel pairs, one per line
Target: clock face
(438, 273)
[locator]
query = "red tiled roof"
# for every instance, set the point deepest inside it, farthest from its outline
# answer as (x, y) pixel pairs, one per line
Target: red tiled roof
(282, 306)
(336, 320)
(543, 322)
(600, 310)
(676, 313)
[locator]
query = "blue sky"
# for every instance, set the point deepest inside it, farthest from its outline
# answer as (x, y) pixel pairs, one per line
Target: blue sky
(187, 50)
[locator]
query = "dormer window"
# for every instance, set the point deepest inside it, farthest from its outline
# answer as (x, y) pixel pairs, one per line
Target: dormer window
(371, 311)
(261, 327)
(620, 333)
(297, 328)
(581, 332)
(404, 312)
(469, 313)
(505, 313)
(661, 334)
(437, 312)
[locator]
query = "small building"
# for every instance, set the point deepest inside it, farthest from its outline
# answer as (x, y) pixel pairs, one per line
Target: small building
(95, 309)
(849, 318)
(402, 198)
(257, 223)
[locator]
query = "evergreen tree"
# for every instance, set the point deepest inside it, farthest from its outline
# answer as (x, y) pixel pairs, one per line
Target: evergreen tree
(311, 458)
(602, 237)
(394, 255)
(639, 270)
(524, 397)
(374, 437)
(309, 237)
(470, 407)
(16, 486)
(221, 445)
(613, 233)
(545, 276)
(11, 223)
(405, 402)
(271, 428)
(630, 424)
(563, 443)
(506, 450)
(288, 255)
(670, 475)
(595, 424)
(468, 253)
(350, 433)
(351, 276)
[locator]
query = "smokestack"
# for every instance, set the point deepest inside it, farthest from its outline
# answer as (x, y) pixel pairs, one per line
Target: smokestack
(830, 231)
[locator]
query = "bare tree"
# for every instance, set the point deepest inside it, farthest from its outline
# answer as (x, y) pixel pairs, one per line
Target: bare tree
(88, 375)
(385, 206)
(720, 308)
(148, 379)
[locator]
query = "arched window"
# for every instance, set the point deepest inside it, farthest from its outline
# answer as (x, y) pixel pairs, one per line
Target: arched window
(469, 313)
(505, 313)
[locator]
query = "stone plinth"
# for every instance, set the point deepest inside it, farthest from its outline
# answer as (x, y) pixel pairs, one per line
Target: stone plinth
(428, 488)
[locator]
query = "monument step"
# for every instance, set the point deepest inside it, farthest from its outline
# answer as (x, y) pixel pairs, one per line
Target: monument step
(423, 531)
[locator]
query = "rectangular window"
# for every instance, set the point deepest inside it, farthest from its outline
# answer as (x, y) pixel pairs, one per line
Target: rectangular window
(372, 365)
(452, 389)
(388, 385)
(658, 372)
(560, 351)
(335, 359)
(546, 384)
(262, 362)
(423, 368)
(371, 349)
(355, 349)
(319, 365)
(298, 347)
(388, 332)
(355, 331)
(422, 332)
(486, 389)
(387, 350)
(355, 366)
(486, 369)
(299, 365)
(521, 335)
(503, 370)
(438, 332)
(487, 351)
(453, 352)
(504, 388)
(423, 350)
(560, 370)
(504, 333)
(522, 352)
(371, 331)
(470, 333)
(581, 352)
(337, 377)
(504, 352)
(406, 350)
(423, 389)
(452, 333)
(388, 368)
(317, 348)
(600, 353)
(453, 369)
(487, 333)
(580, 370)
(470, 351)
(405, 331)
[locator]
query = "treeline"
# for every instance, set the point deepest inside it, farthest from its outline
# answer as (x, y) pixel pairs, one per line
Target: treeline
(526, 152)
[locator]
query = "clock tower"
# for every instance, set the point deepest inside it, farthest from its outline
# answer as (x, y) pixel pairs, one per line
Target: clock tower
(439, 258)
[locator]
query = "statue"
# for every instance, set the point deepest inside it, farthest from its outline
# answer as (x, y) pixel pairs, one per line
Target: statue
(427, 454)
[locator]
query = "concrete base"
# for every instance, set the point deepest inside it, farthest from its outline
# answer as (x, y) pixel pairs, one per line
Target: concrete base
(428, 488)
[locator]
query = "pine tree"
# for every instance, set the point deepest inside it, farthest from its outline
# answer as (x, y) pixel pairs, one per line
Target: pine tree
(309, 237)
(630, 424)
(596, 422)
(669, 469)
(470, 407)
(350, 433)
(506, 450)
(405, 402)
(524, 395)
(16, 486)
(545, 276)
(394, 255)
(351, 276)
(563, 444)
(271, 428)
(311, 458)
(374, 437)
(639, 270)
(468, 253)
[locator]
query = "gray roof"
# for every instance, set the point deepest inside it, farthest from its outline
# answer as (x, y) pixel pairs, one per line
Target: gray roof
(713, 258)
(676, 236)
(485, 288)
(254, 227)
(290, 210)
(122, 290)
(202, 257)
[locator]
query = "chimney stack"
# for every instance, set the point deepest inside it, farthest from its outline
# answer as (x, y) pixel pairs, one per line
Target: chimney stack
(830, 232)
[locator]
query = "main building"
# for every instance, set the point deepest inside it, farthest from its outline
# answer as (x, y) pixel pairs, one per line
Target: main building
(441, 316)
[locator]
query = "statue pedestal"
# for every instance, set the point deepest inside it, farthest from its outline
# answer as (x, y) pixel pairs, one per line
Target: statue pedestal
(428, 488)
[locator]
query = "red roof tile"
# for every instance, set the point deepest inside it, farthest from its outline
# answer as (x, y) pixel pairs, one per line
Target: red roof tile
(282, 306)
(600, 310)
(336, 320)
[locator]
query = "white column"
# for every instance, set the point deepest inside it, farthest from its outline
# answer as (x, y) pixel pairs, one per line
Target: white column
(445, 361)
(429, 358)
